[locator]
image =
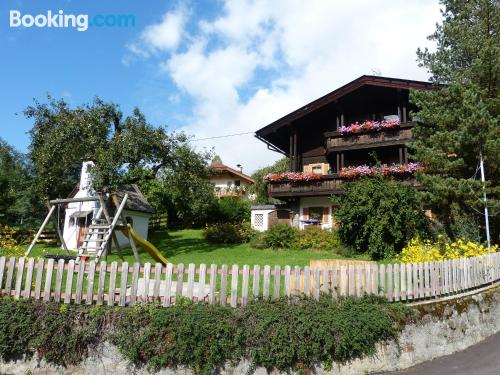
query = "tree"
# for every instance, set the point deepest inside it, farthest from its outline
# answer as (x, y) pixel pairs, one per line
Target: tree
(216, 160)
(123, 149)
(182, 191)
(459, 120)
(378, 216)
(260, 186)
(17, 204)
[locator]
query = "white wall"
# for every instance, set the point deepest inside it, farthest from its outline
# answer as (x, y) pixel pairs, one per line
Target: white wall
(222, 182)
(265, 225)
(140, 225)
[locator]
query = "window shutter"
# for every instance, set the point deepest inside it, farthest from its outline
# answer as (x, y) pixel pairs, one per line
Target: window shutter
(306, 213)
(326, 213)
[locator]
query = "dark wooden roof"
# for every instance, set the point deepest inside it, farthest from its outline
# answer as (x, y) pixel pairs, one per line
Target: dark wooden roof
(331, 97)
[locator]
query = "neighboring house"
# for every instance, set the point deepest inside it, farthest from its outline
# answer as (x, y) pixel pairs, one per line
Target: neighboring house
(229, 182)
(335, 137)
(78, 216)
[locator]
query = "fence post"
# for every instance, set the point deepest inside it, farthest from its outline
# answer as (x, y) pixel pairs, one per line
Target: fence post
(201, 282)
(223, 285)
(234, 285)
(168, 285)
(90, 283)
(59, 279)
(19, 278)
(277, 282)
(244, 284)
(190, 282)
(112, 284)
(156, 287)
(48, 280)
(256, 281)
(123, 284)
(29, 278)
(179, 280)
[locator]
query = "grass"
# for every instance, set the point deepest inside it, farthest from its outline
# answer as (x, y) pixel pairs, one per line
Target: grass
(188, 246)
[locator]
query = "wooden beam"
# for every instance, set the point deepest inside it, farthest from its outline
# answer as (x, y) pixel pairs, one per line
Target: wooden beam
(400, 155)
(338, 163)
(291, 151)
(341, 160)
(295, 157)
(44, 224)
(71, 200)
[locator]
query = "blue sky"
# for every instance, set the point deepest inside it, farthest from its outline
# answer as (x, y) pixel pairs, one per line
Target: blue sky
(207, 67)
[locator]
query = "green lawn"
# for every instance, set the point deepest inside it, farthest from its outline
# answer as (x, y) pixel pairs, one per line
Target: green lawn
(189, 246)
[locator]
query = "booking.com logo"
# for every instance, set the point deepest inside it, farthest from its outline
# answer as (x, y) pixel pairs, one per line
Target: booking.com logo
(80, 22)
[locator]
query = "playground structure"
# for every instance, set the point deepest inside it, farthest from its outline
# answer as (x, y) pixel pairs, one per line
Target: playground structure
(101, 232)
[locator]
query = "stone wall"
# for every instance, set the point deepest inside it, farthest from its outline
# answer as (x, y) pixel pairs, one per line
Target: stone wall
(438, 329)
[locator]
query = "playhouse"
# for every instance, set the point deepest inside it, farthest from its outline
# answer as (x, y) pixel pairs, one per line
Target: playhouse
(78, 215)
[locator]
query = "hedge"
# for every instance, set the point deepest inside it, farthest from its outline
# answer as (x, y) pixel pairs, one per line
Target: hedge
(274, 334)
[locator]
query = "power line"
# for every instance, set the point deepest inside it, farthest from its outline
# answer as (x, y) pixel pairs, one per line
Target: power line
(221, 136)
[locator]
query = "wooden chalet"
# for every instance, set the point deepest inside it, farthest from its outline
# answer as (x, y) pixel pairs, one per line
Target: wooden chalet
(315, 139)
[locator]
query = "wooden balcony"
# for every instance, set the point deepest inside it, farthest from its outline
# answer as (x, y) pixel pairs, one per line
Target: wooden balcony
(229, 192)
(336, 142)
(327, 185)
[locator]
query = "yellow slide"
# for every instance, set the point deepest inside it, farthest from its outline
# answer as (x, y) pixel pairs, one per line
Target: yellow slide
(146, 245)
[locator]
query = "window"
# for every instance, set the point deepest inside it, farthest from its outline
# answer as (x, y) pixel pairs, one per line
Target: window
(316, 213)
(229, 184)
(316, 169)
(129, 220)
(259, 220)
(237, 183)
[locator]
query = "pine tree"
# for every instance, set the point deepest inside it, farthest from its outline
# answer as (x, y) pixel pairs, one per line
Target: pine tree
(460, 119)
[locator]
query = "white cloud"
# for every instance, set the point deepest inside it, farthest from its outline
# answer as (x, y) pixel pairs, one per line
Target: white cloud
(258, 60)
(164, 36)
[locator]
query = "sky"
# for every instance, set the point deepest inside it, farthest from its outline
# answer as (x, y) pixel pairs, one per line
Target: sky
(208, 68)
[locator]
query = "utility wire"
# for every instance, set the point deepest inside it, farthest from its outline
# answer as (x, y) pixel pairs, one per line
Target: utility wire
(221, 136)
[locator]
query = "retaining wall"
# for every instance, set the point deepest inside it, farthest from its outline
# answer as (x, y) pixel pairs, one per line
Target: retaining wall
(439, 328)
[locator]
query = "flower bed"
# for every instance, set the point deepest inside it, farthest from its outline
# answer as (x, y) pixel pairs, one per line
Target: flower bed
(291, 177)
(384, 170)
(369, 126)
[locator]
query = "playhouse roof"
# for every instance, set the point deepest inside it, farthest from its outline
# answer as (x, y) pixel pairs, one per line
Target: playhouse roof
(136, 201)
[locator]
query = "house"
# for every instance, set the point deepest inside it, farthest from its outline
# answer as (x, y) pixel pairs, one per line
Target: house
(78, 216)
(229, 182)
(360, 128)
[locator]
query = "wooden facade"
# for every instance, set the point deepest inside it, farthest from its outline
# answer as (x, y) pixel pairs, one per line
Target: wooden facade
(310, 136)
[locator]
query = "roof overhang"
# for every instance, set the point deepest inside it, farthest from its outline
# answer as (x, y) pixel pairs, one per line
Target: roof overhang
(337, 94)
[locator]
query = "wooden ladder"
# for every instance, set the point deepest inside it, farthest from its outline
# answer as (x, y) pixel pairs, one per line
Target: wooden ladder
(100, 233)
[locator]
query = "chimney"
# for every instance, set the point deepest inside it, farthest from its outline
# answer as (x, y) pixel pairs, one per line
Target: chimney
(85, 178)
(240, 167)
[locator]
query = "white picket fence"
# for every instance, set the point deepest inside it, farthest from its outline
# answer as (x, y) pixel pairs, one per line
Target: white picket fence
(125, 285)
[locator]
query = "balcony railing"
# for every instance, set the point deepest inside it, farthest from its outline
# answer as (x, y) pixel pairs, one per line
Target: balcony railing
(230, 192)
(327, 185)
(335, 141)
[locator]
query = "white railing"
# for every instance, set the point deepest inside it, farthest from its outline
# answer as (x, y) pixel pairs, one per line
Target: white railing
(124, 284)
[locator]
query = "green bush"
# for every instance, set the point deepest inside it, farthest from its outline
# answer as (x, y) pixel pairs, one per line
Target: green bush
(280, 236)
(316, 239)
(258, 240)
(228, 233)
(378, 216)
(274, 334)
(230, 210)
